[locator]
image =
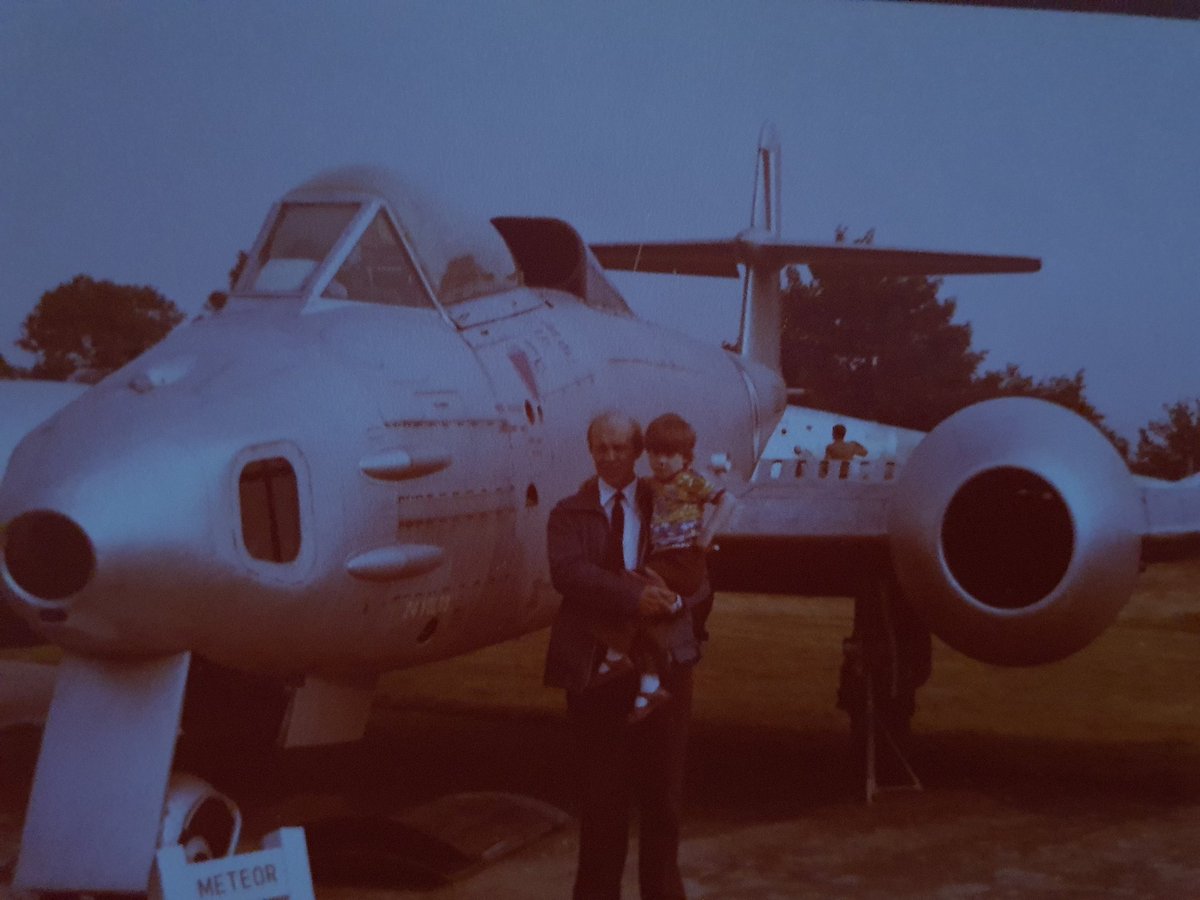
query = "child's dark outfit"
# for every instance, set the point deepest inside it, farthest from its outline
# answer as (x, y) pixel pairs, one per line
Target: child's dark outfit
(676, 556)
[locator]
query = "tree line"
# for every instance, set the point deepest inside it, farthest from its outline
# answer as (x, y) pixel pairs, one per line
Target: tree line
(888, 349)
(880, 348)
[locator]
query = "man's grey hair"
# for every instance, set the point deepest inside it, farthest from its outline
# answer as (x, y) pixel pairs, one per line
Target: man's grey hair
(621, 420)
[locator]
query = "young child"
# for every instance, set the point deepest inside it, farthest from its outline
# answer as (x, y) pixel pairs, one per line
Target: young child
(680, 533)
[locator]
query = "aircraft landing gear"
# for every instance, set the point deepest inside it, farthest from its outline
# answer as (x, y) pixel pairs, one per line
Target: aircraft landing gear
(886, 658)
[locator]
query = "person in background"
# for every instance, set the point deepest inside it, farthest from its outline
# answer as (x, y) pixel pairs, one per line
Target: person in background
(842, 450)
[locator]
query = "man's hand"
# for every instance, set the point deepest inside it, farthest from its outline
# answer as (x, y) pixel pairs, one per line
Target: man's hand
(656, 601)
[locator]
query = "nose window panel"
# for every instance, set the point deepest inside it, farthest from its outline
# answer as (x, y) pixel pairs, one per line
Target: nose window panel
(270, 507)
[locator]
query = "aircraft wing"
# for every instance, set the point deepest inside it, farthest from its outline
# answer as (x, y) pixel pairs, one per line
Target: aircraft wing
(809, 534)
(718, 259)
(842, 505)
(1014, 528)
(721, 258)
(1172, 518)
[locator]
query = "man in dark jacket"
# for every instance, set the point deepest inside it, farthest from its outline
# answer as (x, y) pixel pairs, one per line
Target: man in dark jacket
(591, 565)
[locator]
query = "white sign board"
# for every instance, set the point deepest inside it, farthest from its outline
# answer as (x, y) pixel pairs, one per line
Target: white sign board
(278, 870)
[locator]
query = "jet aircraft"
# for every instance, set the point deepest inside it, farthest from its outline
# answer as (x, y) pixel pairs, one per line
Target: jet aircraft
(348, 469)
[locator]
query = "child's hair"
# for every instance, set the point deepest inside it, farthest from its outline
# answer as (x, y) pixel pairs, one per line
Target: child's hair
(670, 433)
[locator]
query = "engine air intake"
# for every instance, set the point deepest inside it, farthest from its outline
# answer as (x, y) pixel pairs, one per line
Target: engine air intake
(47, 555)
(1008, 538)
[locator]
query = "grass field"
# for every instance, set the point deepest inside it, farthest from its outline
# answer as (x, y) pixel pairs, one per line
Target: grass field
(1080, 778)
(773, 662)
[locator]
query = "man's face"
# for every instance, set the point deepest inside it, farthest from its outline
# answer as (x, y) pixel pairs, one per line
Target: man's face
(612, 449)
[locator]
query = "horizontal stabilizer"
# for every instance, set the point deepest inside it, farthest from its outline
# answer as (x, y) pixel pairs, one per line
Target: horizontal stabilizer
(718, 259)
(721, 259)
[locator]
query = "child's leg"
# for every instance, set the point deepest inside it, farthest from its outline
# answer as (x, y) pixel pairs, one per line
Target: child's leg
(646, 661)
(683, 570)
(617, 645)
(613, 663)
(649, 663)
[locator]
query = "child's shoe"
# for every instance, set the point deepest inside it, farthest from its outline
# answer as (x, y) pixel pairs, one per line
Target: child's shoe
(645, 703)
(610, 669)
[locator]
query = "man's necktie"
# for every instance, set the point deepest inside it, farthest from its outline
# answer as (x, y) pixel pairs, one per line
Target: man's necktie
(616, 536)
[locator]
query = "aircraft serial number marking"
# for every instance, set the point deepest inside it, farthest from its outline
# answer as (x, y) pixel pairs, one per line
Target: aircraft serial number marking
(422, 607)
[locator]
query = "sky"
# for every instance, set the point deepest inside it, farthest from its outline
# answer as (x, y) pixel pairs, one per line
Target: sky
(144, 142)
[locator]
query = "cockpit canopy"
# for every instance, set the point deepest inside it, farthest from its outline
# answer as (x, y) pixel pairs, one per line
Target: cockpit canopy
(361, 233)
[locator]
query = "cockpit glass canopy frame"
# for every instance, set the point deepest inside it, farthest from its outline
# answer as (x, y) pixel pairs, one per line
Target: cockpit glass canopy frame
(299, 239)
(396, 247)
(378, 268)
(340, 247)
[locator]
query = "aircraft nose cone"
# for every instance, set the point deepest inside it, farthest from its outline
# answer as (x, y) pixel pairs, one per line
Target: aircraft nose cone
(47, 555)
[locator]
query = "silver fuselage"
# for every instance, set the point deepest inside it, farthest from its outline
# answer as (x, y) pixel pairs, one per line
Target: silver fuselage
(394, 565)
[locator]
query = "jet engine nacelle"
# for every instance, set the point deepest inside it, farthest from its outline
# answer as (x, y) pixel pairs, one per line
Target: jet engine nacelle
(1014, 531)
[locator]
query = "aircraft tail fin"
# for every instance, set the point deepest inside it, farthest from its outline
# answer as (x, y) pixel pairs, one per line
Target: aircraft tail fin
(762, 314)
(765, 208)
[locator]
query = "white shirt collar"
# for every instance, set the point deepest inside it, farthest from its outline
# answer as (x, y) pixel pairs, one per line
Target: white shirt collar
(607, 491)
